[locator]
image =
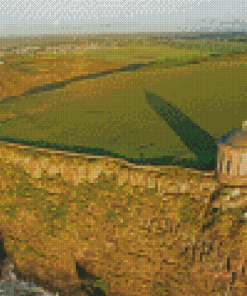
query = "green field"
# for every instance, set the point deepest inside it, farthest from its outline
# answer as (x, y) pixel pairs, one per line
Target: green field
(151, 112)
(112, 111)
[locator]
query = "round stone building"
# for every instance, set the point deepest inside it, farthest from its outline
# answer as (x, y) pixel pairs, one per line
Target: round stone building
(232, 158)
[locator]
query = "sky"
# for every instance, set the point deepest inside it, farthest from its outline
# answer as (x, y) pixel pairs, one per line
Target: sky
(31, 17)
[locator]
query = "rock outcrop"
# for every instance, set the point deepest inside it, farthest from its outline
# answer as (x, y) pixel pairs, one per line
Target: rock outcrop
(73, 224)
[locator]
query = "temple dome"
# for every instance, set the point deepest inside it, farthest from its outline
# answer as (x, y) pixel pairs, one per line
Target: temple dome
(232, 158)
(236, 138)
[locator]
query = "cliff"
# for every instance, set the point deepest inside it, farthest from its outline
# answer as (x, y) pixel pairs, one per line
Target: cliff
(134, 230)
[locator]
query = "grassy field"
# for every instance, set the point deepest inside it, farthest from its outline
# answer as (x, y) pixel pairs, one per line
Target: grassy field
(76, 204)
(111, 112)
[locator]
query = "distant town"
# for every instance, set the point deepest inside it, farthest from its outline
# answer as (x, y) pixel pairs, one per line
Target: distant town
(67, 43)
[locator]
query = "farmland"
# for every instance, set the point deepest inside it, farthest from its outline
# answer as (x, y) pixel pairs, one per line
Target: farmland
(110, 111)
(70, 198)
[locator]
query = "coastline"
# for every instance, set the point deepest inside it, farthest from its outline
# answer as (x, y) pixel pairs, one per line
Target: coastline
(10, 285)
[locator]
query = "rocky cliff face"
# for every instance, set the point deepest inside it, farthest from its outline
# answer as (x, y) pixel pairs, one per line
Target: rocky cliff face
(132, 230)
(10, 285)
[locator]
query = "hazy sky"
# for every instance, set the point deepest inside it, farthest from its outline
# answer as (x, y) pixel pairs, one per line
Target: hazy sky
(19, 16)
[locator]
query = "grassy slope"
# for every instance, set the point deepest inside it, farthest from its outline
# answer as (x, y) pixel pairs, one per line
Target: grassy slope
(111, 112)
(21, 72)
(46, 200)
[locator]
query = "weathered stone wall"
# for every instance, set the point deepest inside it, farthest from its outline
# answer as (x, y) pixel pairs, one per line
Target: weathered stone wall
(172, 201)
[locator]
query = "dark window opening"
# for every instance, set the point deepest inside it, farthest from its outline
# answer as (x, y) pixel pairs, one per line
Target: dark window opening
(228, 166)
(221, 166)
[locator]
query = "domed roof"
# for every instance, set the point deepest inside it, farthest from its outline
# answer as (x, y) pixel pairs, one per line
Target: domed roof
(236, 138)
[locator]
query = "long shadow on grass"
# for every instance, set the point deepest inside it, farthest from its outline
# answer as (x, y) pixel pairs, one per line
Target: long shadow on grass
(192, 135)
(197, 140)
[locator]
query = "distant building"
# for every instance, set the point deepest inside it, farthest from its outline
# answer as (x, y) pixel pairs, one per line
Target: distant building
(232, 158)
